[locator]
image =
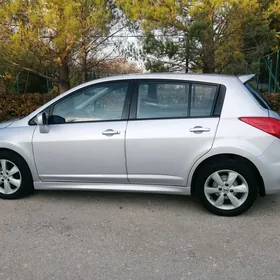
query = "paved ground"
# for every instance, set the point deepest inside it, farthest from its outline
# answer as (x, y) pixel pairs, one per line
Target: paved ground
(87, 235)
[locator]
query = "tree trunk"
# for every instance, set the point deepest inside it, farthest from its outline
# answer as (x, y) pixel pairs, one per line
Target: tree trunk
(187, 65)
(187, 53)
(208, 45)
(64, 76)
(84, 61)
(209, 52)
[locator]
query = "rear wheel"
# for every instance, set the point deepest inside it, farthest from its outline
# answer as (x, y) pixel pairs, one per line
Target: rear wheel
(227, 188)
(15, 177)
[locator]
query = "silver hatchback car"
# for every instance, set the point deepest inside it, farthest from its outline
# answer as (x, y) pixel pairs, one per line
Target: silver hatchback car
(209, 135)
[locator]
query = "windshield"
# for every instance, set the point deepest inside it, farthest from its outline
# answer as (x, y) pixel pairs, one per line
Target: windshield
(252, 89)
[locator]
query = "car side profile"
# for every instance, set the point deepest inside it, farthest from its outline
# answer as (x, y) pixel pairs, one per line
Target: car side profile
(209, 135)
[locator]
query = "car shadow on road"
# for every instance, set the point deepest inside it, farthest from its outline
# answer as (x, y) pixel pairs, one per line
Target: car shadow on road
(113, 196)
(128, 199)
(267, 205)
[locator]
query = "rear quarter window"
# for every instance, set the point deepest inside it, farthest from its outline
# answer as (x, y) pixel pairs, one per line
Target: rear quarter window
(258, 97)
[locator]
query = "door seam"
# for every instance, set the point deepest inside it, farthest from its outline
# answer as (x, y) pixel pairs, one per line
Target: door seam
(192, 166)
(33, 153)
(125, 152)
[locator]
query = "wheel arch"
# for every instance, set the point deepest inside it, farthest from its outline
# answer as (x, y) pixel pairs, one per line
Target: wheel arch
(221, 157)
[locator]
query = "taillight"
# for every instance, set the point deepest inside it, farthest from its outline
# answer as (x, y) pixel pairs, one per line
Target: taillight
(266, 124)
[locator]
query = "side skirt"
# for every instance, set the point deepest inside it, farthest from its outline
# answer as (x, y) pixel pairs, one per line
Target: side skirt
(112, 187)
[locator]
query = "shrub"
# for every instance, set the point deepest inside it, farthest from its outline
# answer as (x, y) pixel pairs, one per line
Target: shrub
(18, 105)
(274, 100)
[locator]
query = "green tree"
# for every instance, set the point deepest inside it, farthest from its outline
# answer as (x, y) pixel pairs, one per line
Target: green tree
(273, 14)
(214, 33)
(168, 53)
(45, 35)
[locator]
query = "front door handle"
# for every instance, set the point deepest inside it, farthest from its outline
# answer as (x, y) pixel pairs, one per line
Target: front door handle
(110, 132)
(199, 129)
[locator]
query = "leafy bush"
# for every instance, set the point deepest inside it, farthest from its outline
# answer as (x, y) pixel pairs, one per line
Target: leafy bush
(274, 100)
(18, 105)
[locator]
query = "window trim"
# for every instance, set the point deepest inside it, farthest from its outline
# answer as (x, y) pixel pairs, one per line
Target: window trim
(220, 97)
(215, 112)
(126, 106)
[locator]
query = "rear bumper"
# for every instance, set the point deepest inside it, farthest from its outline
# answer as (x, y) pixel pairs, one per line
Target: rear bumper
(268, 165)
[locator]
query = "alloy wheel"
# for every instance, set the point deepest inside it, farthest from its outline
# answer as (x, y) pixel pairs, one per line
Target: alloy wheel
(10, 177)
(226, 189)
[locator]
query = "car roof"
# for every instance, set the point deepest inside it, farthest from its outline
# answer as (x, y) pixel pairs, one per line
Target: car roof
(183, 76)
(198, 77)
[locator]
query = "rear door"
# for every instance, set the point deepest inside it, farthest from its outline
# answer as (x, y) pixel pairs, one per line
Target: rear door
(172, 124)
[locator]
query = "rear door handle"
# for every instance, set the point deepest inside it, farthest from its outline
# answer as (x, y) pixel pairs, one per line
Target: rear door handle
(199, 129)
(110, 132)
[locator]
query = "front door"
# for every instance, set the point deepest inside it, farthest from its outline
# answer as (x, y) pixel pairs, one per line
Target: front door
(173, 124)
(86, 137)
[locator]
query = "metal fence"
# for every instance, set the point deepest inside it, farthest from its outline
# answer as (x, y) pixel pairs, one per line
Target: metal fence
(269, 73)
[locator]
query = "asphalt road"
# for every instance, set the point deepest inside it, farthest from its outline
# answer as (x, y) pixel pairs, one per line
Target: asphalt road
(88, 235)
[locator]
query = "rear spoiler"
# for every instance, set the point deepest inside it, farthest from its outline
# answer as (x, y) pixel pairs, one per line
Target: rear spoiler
(246, 78)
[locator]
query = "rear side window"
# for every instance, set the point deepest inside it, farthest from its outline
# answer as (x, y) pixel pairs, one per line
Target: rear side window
(161, 99)
(202, 100)
(249, 85)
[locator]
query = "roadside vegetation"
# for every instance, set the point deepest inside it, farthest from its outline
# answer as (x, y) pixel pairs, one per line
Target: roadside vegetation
(47, 47)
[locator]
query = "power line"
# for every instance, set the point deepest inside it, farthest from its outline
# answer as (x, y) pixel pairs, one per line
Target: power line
(136, 36)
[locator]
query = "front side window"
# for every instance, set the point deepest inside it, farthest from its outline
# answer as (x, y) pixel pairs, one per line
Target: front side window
(175, 100)
(94, 103)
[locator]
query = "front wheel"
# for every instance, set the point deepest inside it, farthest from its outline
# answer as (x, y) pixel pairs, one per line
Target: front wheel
(15, 176)
(227, 188)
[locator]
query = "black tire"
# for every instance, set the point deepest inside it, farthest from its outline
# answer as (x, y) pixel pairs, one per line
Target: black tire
(224, 163)
(26, 186)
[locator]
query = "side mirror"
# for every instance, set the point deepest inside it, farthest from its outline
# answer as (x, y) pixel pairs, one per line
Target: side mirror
(42, 121)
